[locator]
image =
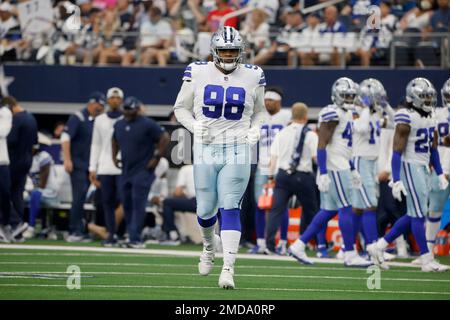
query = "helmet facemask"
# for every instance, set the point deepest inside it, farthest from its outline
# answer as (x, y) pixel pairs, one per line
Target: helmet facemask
(225, 60)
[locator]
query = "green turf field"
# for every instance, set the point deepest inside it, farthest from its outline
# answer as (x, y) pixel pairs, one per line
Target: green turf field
(41, 274)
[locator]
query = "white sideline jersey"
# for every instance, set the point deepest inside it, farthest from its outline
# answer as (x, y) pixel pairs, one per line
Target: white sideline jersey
(420, 137)
(269, 130)
(339, 149)
(366, 134)
(226, 102)
(41, 160)
(442, 120)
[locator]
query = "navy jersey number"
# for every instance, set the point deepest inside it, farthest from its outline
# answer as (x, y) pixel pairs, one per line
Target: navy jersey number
(214, 96)
(443, 130)
(347, 134)
(268, 133)
(374, 131)
(425, 140)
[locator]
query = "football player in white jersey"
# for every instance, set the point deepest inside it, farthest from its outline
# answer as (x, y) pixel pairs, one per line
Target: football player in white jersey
(335, 175)
(222, 103)
(439, 197)
(277, 119)
(366, 144)
(415, 147)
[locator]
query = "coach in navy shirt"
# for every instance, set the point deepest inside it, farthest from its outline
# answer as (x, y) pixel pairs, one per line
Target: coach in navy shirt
(21, 139)
(76, 145)
(135, 137)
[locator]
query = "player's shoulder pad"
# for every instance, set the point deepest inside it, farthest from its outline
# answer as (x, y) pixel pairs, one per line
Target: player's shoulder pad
(403, 116)
(192, 68)
(257, 71)
(329, 113)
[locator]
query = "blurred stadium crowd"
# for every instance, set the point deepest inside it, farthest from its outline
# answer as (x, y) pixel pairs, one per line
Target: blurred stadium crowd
(141, 33)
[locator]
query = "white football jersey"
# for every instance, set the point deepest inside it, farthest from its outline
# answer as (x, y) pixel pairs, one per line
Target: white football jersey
(442, 120)
(339, 149)
(420, 137)
(40, 160)
(269, 130)
(366, 142)
(224, 101)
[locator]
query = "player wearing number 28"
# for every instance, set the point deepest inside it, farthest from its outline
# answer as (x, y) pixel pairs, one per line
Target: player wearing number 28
(222, 104)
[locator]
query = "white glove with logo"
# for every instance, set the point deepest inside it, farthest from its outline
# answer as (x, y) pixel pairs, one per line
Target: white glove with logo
(323, 182)
(253, 135)
(443, 182)
(397, 189)
(356, 180)
(200, 130)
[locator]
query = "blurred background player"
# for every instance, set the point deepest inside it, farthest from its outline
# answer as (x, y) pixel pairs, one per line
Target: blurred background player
(415, 147)
(76, 145)
(222, 103)
(5, 181)
(277, 119)
(293, 151)
(102, 171)
(366, 136)
(334, 154)
(438, 197)
(141, 142)
(21, 140)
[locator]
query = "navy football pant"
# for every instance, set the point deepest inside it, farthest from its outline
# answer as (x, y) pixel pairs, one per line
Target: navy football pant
(5, 194)
(80, 182)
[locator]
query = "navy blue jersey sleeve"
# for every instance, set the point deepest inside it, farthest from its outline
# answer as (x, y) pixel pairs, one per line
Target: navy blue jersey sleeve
(155, 131)
(72, 125)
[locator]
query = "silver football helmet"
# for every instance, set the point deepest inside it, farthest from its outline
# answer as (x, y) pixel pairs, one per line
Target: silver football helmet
(343, 93)
(372, 94)
(445, 93)
(227, 38)
(421, 94)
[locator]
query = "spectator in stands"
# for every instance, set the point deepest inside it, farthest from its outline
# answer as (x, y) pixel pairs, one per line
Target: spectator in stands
(137, 137)
(5, 181)
(76, 144)
(270, 7)
(331, 24)
(440, 21)
(9, 32)
(156, 35)
(354, 14)
(418, 18)
(256, 32)
(183, 200)
(110, 42)
(215, 16)
(282, 47)
(21, 139)
(313, 22)
(190, 12)
(104, 4)
(376, 45)
(45, 183)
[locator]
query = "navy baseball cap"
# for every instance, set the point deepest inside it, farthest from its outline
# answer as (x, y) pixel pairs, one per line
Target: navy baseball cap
(98, 97)
(131, 103)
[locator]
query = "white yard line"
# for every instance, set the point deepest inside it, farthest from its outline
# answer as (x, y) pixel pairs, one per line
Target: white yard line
(177, 253)
(238, 288)
(43, 273)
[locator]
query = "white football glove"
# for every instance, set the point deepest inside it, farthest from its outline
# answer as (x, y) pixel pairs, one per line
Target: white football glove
(443, 182)
(323, 182)
(253, 135)
(200, 130)
(356, 180)
(397, 189)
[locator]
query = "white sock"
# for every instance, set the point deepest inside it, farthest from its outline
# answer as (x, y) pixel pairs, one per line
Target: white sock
(282, 243)
(298, 245)
(261, 243)
(401, 244)
(230, 244)
(208, 237)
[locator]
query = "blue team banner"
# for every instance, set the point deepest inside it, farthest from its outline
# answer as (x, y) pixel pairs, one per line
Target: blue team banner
(160, 86)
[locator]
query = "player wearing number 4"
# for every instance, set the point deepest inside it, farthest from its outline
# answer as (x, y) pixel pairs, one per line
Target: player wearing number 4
(415, 147)
(335, 176)
(222, 103)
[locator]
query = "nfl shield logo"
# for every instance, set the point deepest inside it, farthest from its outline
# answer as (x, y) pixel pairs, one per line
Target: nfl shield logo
(225, 78)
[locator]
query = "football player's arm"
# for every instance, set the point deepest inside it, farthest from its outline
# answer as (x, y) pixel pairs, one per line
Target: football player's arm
(95, 152)
(5, 122)
(362, 123)
(184, 104)
(161, 147)
(401, 135)
(434, 155)
(326, 131)
(260, 113)
(274, 151)
(115, 151)
(44, 172)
